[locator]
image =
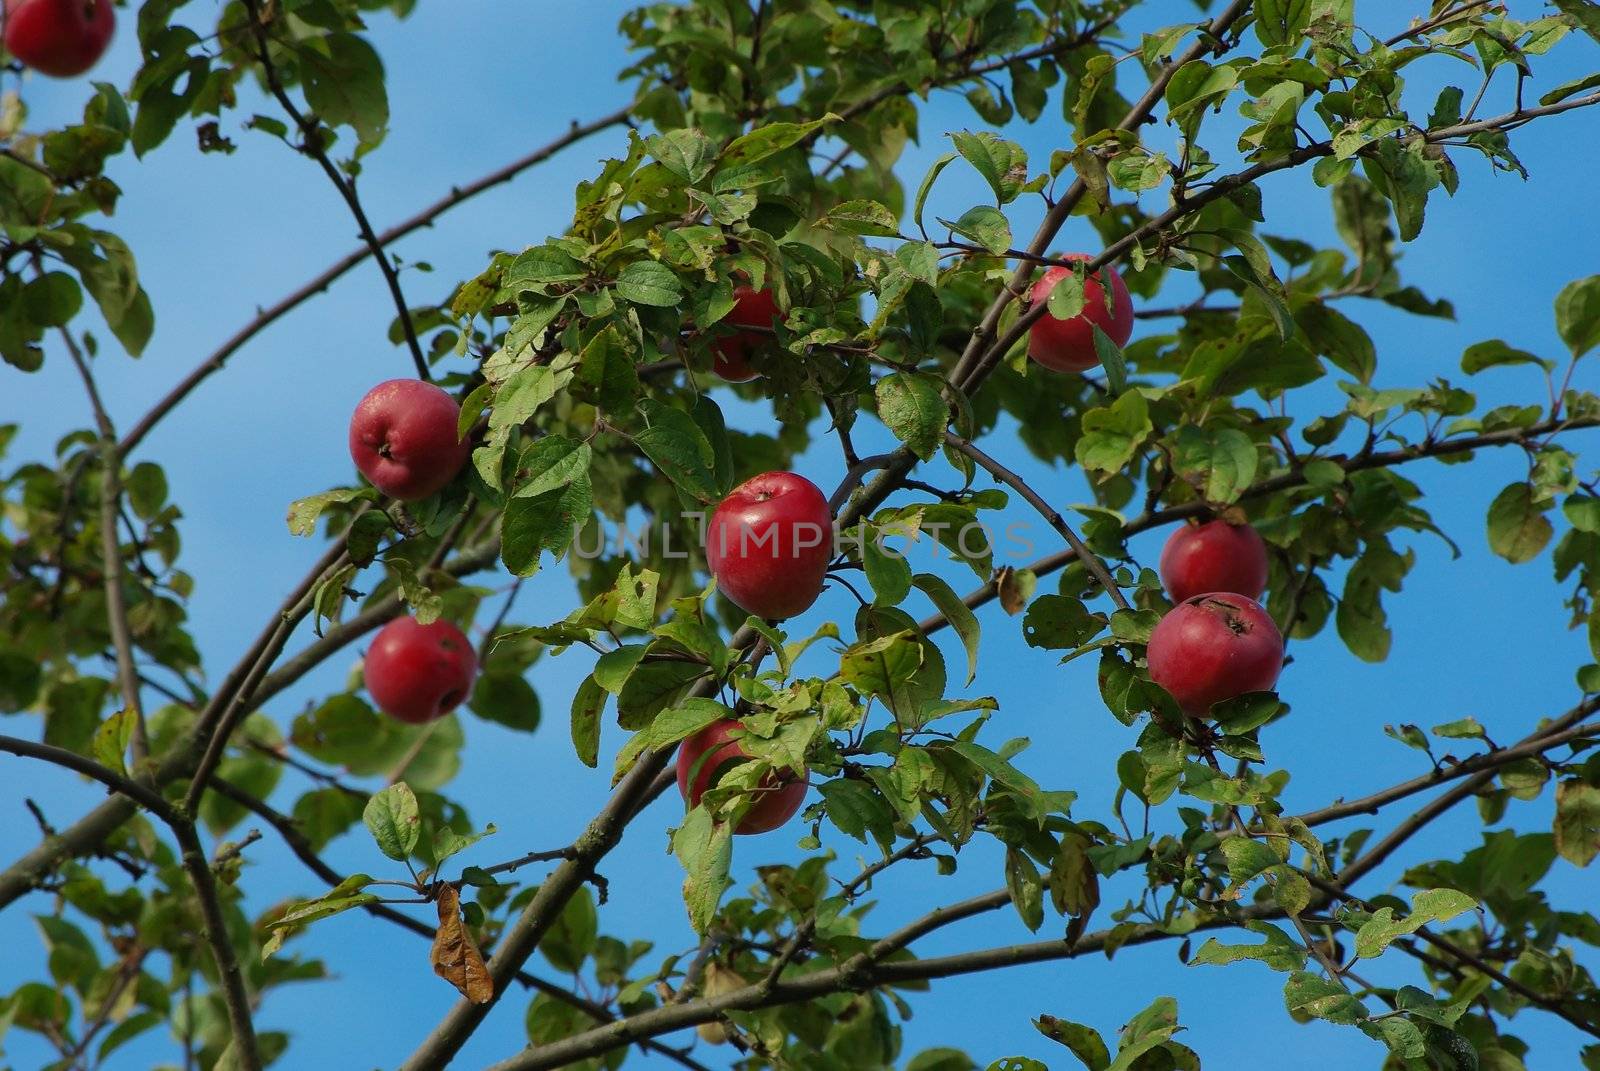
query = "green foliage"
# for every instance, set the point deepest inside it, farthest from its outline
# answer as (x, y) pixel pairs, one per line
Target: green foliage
(765, 154)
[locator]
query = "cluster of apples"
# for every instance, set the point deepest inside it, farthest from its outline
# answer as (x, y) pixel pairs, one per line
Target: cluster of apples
(770, 540)
(1217, 643)
(61, 38)
(1061, 344)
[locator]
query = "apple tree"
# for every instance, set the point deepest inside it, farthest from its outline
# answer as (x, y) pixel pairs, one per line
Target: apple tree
(751, 274)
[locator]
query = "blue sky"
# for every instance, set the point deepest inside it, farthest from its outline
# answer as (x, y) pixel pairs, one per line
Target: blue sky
(474, 84)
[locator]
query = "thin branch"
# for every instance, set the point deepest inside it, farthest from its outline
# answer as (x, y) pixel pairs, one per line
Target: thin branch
(855, 974)
(1470, 959)
(981, 365)
(975, 362)
(111, 552)
(1293, 479)
(234, 994)
(130, 790)
(914, 848)
(300, 846)
(194, 861)
(266, 317)
(1090, 559)
(1434, 23)
(311, 144)
(1560, 732)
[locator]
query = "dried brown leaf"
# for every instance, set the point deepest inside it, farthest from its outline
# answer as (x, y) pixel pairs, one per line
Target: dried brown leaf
(455, 957)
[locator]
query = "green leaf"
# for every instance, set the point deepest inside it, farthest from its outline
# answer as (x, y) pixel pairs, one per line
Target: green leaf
(955, 611)
(863, 217)
(1568, 89)
(764, 141)
(887, 571)
(1003, 164)
(52, 299)
(146, 486)
(1577, 824)
(1084, 1041)
(883, 667)
(1583, 513)
(686, 153)
(1493, 354)
(705, 849)
(1338, 338)
(1586, 13)
(1060, 622)
(1026, 888)
(112, 738)
(612, 669)
(394, 821)
(1578, 314)
(914, 409)
(927, 186)
(859, 811)
(647, 282)
(1223, 461)
(303, 512)
(669, 727)
(447, 842)
(1518, 528)
(1461, 729)
(985, 225)
(1430, 905)
(1111, 359)
(1280, 951)
(1311, 994)
(587, 704)
(504, 697)
(1112, 434)
(679, 449)
(345, 86)
(568, 943)
(1245, 712)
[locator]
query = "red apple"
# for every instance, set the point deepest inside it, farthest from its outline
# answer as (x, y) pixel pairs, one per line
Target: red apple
(416, 673)
(709, 753)
(1215, 556)
(731, 353)
(1068, 345)
(769, 544)
(403, 439)
(62, 38)
(1213, 647)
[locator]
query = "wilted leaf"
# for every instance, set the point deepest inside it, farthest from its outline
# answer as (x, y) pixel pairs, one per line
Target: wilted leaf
(455, 957)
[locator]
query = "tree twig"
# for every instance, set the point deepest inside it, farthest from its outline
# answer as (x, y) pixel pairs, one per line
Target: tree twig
(1089, 558)
(270, 315)
(311, 145)
(111, 552)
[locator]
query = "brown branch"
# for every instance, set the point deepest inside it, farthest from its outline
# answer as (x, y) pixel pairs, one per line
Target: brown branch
(194, 861)
(1080, 550)
(801, 937)
(855, 974)
(111, 551)
(1191, 203)
(1559, 732)
(1470, 959)
(975, 363)
(234, 994)
(1292, 479)
(131, 791)
(311, 144)
(300, 846)
(266, 317)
